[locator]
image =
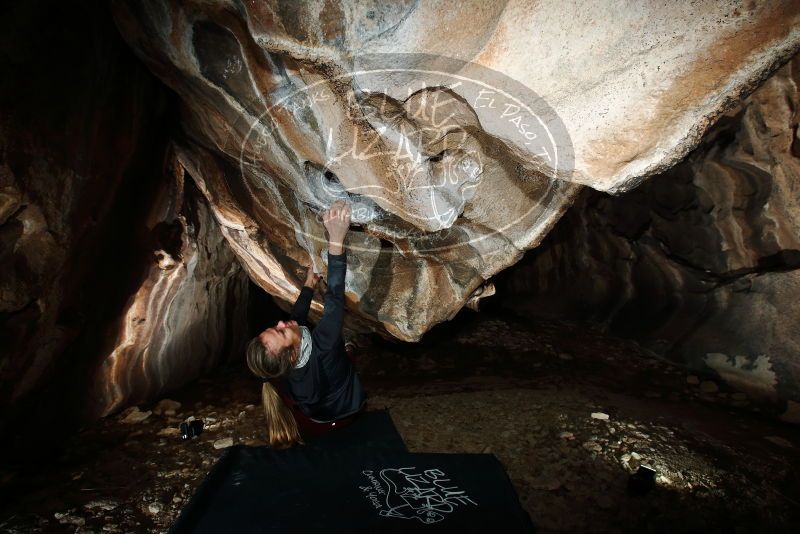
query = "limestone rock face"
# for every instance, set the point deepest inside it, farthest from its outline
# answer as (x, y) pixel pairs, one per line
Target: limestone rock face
(459, 134)
(701, 263)
(187, 314)
(115, 282)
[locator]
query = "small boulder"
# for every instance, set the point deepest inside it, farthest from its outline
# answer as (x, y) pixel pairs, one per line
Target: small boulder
(169, 432)
(133, 415)
(593, 446)
(779, 441)
(68, 519)
(102, 504)
(709, 386)
(631, 461)
(166, 407)
(223, 443)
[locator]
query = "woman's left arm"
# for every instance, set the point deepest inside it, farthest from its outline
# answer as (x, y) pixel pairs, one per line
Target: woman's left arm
(303, 303)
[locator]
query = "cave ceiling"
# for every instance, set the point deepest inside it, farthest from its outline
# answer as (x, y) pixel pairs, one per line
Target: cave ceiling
(460, 135)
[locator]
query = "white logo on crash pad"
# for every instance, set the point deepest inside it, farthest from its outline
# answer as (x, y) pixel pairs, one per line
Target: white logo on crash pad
(408, 493)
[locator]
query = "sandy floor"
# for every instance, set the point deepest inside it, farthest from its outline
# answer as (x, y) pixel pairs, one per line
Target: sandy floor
(525, 394)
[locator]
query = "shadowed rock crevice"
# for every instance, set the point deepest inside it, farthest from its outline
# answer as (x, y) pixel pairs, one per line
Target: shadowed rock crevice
(699, 263)
(115, 283)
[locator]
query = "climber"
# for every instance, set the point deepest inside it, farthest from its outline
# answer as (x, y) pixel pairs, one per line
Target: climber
(311, 368)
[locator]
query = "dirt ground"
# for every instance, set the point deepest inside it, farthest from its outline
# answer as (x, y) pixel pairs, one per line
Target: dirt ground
(569, 412)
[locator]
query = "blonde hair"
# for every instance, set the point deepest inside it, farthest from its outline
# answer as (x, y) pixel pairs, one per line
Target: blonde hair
(282, 430)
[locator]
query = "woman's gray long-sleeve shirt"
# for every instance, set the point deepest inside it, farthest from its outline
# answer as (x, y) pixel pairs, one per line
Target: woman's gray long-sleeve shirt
(327, 387)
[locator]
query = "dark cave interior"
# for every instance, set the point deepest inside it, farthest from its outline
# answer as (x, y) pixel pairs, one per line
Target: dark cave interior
(655, 327)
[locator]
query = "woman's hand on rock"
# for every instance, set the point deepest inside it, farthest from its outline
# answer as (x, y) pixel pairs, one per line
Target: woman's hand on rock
(312, 278)
(337, 221)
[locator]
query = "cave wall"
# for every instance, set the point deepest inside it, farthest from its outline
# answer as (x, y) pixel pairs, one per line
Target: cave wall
(115, 282)
(700, 263)
(460, 131)
(187, 314)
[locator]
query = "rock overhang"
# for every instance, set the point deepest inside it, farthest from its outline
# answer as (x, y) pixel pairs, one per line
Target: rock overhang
(421, 117)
